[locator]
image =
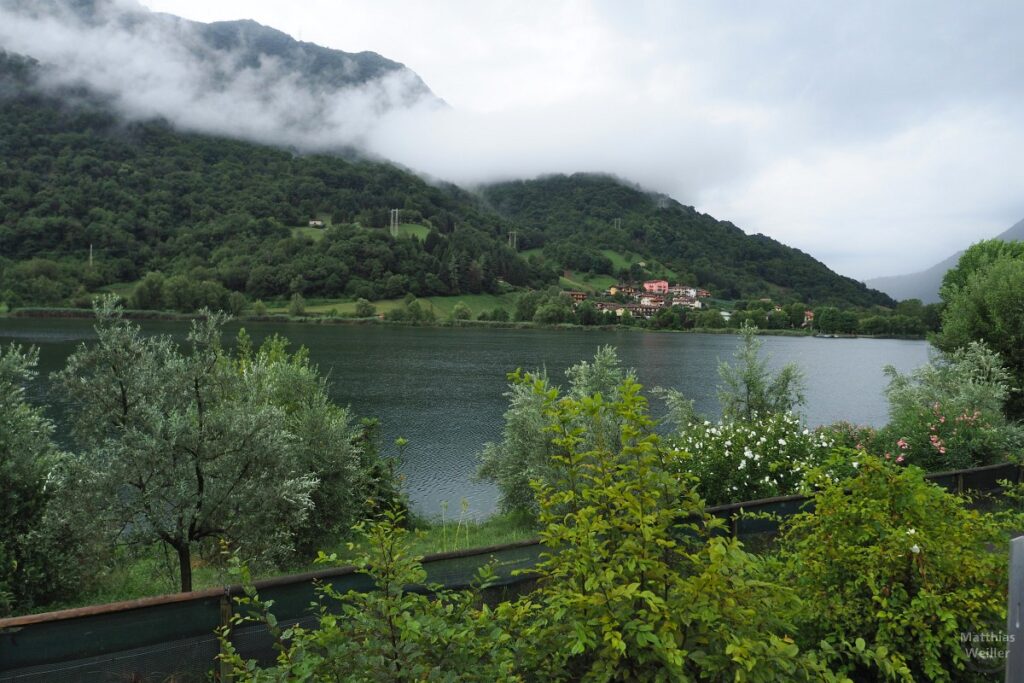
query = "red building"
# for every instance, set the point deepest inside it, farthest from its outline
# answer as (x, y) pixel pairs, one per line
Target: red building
(656, 286)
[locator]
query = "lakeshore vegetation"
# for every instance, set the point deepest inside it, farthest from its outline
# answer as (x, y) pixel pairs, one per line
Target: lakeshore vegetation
(239, 461)
(197, 461)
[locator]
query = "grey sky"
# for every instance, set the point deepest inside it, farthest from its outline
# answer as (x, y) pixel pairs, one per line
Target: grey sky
(880, 137)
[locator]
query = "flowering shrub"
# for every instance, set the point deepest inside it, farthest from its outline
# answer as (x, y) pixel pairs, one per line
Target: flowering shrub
(739, 460)
(948, 414)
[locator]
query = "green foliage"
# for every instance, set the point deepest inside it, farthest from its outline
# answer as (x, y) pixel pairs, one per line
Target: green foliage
(402, 630)
(176, 446)
(750, 390)
(461, 312)
(40, 557)
(631, 591)
(574, 218)
(891, 564)
(413, 311)
(977, 258)
(148, 198)
(296, 305)
(738, 460)
(949, 413)
(524, 453)
(364, 309)
(986, 307)
(623, 597)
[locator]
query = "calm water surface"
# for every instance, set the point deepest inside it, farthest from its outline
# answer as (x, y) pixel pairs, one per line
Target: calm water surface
(441, 388)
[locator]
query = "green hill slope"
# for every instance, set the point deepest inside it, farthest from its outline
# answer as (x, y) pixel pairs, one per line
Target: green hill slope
(577, 218)
(144, 197)
(88, 201)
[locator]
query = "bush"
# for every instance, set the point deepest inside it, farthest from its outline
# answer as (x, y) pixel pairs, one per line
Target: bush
(524, 453)
(461, 312)
(39, 555)
(890, 563)
(739, 460)
(364, 309)
(629, 593)
(400, 631)
(297, 305)
(949, 413)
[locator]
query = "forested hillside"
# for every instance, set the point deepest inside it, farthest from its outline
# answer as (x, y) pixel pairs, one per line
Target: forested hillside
(578, 216)
(144, 197)
(89, 200)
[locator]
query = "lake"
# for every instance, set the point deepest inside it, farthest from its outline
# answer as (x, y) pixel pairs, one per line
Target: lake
(441, 388)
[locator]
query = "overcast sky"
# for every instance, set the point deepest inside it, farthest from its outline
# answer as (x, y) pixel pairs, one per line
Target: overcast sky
(880, 137)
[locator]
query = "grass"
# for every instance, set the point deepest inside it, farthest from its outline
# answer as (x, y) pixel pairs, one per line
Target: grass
(315, 234)
(414, 229)
(442, 305)
(150, 570)
(587, 283)
(122, 289)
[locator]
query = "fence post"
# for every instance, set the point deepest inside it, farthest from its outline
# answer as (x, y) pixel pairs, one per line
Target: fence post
(225, 620)
(1015, 613)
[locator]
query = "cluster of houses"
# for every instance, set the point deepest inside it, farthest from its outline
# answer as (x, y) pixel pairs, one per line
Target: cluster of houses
(646, 300)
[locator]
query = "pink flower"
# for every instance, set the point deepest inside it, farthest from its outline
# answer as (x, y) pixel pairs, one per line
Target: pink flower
(899, 458)
(902, 443)
(942, 419)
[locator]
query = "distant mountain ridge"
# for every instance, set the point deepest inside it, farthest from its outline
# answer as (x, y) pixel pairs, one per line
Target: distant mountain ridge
(925, 284)
(234, 78)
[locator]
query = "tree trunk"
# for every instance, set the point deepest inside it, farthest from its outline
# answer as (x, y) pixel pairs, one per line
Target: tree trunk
(185, 566)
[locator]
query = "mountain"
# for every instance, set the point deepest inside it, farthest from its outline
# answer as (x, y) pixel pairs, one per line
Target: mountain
(235, 78)
(92, 196)
(924, 285)
(578, 219)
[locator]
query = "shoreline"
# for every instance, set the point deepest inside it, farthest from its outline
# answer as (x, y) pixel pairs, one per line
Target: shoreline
(140, 315)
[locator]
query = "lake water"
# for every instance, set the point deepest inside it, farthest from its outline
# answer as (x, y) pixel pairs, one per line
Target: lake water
(441, 388)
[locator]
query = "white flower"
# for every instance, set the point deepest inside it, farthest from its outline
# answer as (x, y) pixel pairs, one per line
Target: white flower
(911, 532)
(915, 549)
(806, 432)
(855, 464)
(782, 442)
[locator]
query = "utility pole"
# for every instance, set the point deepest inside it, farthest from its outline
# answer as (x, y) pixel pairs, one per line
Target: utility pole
(90, 254)
(394, 222)
(513, 239)
(617, 223)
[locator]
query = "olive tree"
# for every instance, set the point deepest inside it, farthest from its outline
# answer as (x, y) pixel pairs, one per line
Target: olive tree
(524, 452)
(38, 557)
(187, 447)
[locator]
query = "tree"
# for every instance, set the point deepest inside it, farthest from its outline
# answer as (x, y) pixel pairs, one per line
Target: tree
(38, 557)
(524, 452)
(297, 305)
(987, 307)
(749, 388)
(364, 309)
(461, 312)
(149, 293)
(977, 258)
(182, 449)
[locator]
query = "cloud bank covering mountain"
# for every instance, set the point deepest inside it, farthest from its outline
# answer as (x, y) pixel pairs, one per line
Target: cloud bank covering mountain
(235, 78)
